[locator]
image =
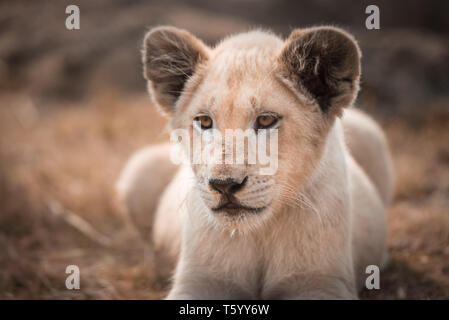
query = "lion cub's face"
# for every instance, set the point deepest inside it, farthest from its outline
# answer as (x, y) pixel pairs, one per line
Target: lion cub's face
(239, 97)
(278, 100)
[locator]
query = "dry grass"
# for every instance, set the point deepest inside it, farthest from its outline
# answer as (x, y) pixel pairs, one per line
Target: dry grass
(68, 158)
(59, 162)
(419, 217)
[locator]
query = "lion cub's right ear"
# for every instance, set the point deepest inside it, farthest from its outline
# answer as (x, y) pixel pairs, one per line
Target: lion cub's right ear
(170, 57)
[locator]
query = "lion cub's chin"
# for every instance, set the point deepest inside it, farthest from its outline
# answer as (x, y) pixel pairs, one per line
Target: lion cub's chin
(240, 220)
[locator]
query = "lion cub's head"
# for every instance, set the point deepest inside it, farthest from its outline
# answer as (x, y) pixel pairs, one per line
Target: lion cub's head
(288, 92)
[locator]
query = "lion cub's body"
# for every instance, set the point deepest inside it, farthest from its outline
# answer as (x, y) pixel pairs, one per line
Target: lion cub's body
(316, 245)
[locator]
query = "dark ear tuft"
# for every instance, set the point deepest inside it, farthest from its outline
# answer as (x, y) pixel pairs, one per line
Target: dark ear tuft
(324, 64)
(170, 57)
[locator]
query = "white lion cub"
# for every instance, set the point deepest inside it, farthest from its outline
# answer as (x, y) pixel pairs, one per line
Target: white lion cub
(307, 231)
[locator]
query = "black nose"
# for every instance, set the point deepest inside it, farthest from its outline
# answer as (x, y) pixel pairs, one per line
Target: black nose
(227, 186)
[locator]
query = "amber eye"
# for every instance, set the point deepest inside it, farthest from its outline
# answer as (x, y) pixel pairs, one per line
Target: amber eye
(205, 122)
(266, 121)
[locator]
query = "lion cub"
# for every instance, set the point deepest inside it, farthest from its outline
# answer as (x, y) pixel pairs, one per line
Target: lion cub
(307, 230)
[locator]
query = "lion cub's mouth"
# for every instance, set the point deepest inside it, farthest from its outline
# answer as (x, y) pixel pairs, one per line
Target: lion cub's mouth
(233, 207)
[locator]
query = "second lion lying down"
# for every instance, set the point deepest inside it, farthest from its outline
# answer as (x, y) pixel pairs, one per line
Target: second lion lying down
(307, 231)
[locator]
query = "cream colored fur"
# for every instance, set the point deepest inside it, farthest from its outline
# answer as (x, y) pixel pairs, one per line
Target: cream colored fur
(324, 220)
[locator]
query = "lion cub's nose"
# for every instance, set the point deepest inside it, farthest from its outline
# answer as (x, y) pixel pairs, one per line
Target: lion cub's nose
(227, 186)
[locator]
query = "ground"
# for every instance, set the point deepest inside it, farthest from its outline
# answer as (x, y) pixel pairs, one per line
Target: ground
(58, 166)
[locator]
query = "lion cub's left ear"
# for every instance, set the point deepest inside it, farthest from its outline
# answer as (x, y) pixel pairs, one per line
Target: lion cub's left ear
(323, 64)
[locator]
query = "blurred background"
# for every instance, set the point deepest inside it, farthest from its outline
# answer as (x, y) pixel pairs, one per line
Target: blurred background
(73, 108)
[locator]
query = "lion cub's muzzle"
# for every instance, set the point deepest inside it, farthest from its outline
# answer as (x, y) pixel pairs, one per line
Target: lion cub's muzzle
(228, 202)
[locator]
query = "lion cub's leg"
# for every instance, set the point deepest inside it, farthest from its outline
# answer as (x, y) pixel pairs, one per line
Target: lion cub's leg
(372, 188)
(141, 183)
(369, 224)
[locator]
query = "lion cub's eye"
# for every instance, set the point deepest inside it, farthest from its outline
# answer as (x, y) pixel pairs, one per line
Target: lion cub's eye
(205, 122)
(266, 121)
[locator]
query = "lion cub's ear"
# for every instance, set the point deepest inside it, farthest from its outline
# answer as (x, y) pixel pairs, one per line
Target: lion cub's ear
(322, 63)
(170, 57)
